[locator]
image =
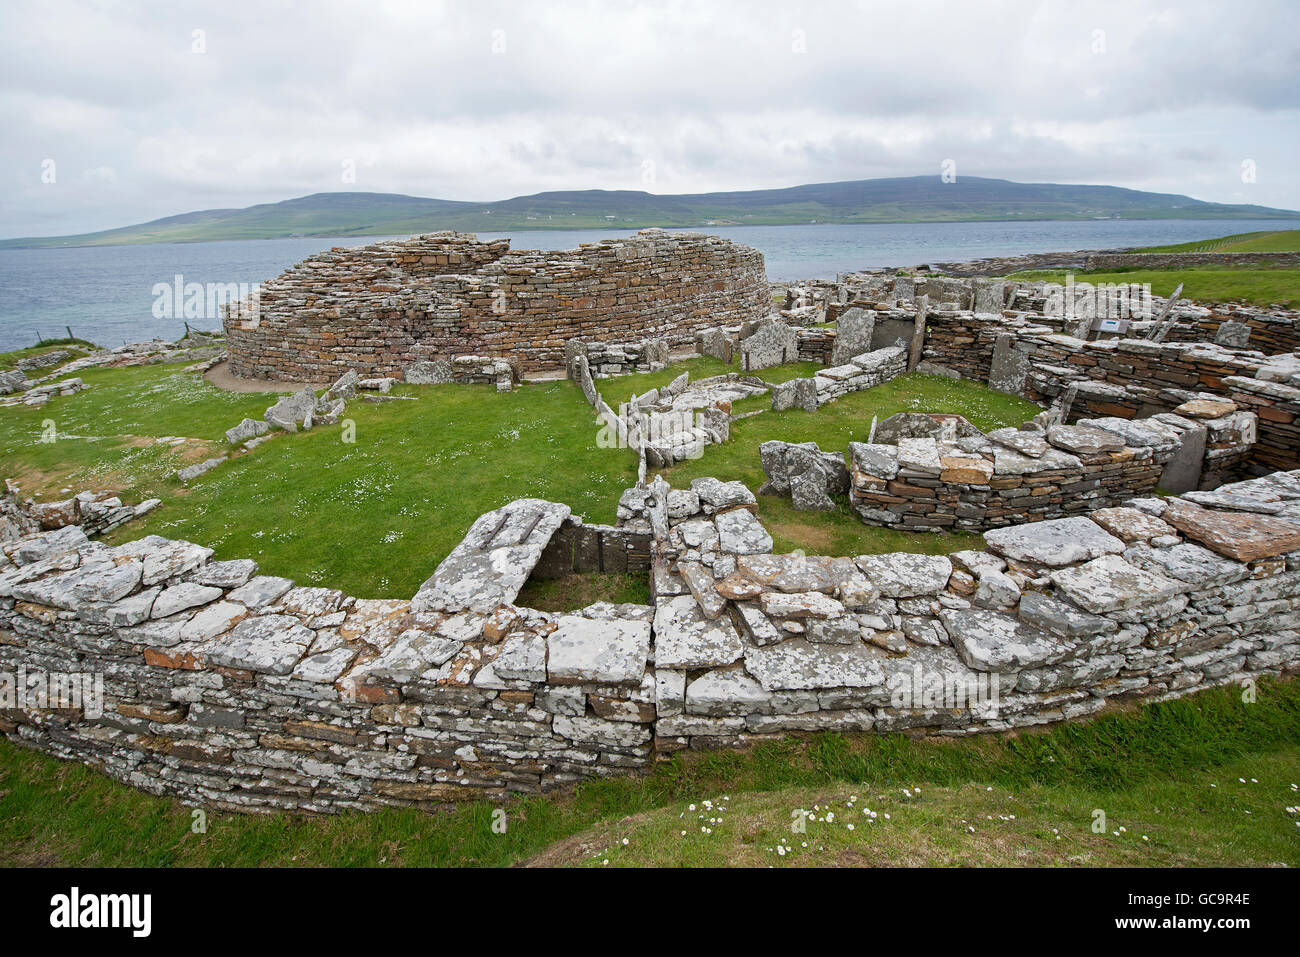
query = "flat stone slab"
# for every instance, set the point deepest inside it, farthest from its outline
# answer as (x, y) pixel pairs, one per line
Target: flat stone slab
(1130, 524)
(260, 591)
(685, 638)
(809, 604)
(611, 652)
(1110, 583)
(1008, 462)
(757, 626)
(1139, 433)
(701, 584)
(725, 691)
(492, 562)
(1061, 618)
(1054, 543)
(270, 644)
(1206, 408)
(919, 455)
(104, 583)
(181, 596)
(172, 558)
(715, 494)
(788, 573)
(1188, 563)
(1083, 439)
(906, 575)
(799, 665)
(410, 655)
(741, 533)
(874, 459)
(989, 641)
(1244, 536)
(1031, 444)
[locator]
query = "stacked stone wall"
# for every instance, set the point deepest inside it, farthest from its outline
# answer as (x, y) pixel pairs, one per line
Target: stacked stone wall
(381, 307)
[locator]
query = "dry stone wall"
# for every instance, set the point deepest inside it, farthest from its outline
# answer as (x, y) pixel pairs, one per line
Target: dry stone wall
(240, 690)
(382, 307)
(1101, 261)
(939, 472)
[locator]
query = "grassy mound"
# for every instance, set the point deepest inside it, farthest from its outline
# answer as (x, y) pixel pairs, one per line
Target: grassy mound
(1267, 241)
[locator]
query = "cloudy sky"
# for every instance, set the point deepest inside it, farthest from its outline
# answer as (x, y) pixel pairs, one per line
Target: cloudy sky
(144, 109)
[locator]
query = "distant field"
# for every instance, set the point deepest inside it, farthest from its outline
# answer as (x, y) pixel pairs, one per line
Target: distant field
(1259, 287)
(1277, 241)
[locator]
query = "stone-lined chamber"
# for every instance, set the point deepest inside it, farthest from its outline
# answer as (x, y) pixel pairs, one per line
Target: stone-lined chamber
(381, 307)
(243, 691)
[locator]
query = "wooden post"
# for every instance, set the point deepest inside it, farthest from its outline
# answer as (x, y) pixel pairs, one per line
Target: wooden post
(918, 333)
(70, 335)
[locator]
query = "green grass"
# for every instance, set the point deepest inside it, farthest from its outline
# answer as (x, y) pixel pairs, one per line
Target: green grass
(421, 470)
(580, 590)
(1207, 779)
(103, 435)
(1270, 241)
(1260, 287)
(833, 427)
(75, 348)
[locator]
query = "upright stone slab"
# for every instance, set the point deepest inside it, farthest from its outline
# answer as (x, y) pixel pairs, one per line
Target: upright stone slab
(889, 331)
(853, 332)
(1009, 367)
(989, 296)
(582, 372)
(1233, 334)
(773, 343)
(716, 343)
(1183, 472)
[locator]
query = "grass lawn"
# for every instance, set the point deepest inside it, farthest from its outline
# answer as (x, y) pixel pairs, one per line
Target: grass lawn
(421, 470)
(74, 347)
(1207, 780)
(1266, 241)
(1260, 287)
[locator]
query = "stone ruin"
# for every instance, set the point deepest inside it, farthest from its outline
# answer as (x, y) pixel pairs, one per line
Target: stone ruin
(386, 306)
(240, 690)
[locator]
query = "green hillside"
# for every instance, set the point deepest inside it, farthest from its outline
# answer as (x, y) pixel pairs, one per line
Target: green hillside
(907, 199)
(1275, 241)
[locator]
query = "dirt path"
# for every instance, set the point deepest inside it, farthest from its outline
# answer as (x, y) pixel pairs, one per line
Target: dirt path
(220, 376)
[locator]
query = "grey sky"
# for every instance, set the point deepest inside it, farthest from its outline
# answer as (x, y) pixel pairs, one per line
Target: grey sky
(475, 100)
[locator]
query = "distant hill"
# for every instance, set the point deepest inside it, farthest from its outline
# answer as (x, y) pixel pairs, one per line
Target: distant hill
(913, 199)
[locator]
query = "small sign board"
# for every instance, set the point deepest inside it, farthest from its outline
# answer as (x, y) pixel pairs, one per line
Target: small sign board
(1110, 325)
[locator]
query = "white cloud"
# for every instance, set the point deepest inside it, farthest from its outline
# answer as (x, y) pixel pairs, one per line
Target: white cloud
(1152, 95)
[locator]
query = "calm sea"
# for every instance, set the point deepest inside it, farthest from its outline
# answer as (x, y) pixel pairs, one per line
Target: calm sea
(106, 293)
